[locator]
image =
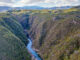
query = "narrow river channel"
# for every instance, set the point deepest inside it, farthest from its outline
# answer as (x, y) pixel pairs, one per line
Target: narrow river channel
(33, 52)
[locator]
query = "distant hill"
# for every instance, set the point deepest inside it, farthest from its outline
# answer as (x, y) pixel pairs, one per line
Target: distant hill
(31, 7)
(39, 8)
(63, 7)
(5, 8)
(78, 7)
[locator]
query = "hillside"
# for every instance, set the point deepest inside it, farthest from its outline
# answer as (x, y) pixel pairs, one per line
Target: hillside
(57, 36)
(12, 39)
(55, 33)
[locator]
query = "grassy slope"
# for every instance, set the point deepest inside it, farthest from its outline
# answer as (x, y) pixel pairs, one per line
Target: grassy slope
(12, 39)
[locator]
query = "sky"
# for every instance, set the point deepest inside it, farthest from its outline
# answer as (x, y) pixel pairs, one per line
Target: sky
(42, 3)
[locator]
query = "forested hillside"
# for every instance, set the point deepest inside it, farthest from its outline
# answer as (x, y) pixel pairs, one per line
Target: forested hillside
(12, 39)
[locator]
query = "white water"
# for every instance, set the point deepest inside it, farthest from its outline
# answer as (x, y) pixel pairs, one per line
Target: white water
(29, 47)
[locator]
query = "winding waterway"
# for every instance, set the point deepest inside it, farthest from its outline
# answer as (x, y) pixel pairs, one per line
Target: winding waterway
(33, 52)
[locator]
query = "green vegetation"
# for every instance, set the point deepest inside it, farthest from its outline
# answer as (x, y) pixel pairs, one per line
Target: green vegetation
(55, 33)
(12, 39)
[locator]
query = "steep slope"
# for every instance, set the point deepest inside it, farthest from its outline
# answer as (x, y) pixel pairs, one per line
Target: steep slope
(12, 39)
(55, 34)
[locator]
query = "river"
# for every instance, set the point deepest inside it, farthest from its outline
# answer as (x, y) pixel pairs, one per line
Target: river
(33, 52)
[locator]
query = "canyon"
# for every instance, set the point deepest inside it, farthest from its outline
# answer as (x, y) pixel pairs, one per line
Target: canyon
(55, 34)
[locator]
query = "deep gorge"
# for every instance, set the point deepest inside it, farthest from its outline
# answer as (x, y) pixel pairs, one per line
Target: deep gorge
(52, 31)
(49, 34)
(55, 34)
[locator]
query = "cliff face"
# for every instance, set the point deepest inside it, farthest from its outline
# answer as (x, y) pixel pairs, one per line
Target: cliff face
(12, 39)
(56, 36)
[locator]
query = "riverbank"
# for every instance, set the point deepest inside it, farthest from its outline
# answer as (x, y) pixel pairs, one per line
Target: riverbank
(33, 53)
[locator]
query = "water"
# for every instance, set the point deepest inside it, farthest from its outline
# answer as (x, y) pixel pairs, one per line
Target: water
(29, 47)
